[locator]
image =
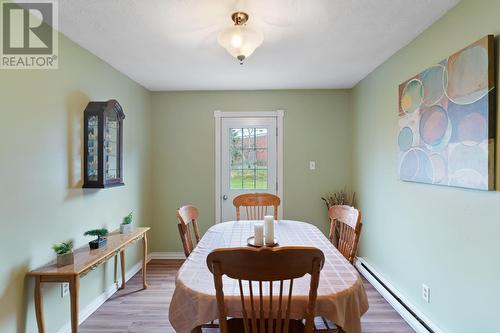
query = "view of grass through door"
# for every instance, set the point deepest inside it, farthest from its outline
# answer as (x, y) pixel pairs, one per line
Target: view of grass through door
(248, 148)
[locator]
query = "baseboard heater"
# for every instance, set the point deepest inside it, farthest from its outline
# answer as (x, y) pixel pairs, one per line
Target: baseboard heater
(408, 313)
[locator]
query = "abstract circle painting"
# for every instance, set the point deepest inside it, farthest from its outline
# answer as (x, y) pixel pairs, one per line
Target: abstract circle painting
(446, 121)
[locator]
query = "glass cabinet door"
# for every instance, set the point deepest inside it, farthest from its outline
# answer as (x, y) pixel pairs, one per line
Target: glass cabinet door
(111, 148)
(103, 134)
(93, 149)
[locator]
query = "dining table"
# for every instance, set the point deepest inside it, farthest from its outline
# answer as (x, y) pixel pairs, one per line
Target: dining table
(341, 295)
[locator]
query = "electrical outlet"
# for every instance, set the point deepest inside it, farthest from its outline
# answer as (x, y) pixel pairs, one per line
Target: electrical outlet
(64, 289)
(426, 293)
(312, 165)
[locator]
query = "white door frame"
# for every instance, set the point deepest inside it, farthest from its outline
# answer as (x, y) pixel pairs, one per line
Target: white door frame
(218, 115)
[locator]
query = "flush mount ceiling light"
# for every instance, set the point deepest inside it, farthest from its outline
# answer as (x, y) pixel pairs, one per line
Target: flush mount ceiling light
(239, 40)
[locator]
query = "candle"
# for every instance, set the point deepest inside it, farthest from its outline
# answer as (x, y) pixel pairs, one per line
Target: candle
(269, 229)
(258, 233)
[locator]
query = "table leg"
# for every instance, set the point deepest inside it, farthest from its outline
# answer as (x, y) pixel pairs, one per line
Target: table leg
(39, 305)
(115, 271)
(74, 288)
(122, 264)
(144, 260)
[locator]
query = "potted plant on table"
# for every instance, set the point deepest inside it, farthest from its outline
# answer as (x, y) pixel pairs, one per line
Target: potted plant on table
(64, 253)
(100, 241)
(126, 226)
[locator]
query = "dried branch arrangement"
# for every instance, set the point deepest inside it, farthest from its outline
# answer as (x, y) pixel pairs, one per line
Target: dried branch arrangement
(342, 197)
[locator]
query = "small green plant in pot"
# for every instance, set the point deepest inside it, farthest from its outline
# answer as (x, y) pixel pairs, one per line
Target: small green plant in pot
(126, 226)
(64, 253)
(100, 241)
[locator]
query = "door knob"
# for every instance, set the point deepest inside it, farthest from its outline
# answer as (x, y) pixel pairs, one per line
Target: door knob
(224, 197)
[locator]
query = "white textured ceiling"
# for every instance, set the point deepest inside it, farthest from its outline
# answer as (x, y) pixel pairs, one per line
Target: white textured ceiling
(172, 44)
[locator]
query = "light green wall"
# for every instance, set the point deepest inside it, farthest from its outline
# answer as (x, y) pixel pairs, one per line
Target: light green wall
(416, 233)
(41, 200)
(316, 127)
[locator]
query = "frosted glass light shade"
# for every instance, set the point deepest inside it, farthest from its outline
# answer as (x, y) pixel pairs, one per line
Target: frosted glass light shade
(240, 41)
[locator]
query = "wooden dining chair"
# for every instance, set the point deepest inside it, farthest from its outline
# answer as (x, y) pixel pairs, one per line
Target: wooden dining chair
(188, 215)
(256, 205)
(265, 266)
(345, 229)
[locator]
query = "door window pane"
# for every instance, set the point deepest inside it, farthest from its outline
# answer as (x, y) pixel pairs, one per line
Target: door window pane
(261, 179)
(236, 159)
(235, 148)
(249, 159)
(261, 159)
(248, 137)
(261, 138)
(235, 134)
(249, 179)
(248, 150)
(236, 179)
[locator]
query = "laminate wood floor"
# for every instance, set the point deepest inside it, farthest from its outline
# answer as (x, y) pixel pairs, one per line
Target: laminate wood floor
(134, 310)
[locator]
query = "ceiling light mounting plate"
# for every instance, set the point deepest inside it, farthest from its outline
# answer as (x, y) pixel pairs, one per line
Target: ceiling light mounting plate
(239, 18)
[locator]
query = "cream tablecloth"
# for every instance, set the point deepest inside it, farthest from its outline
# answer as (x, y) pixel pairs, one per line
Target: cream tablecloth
(341, 296)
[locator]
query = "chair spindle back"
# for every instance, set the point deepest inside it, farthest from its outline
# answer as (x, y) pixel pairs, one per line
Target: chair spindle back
(261, 269)
(188, 215)
(256, 205)
(345, 229)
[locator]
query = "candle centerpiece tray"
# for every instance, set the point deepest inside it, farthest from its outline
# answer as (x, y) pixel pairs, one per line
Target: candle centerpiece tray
(251, 242)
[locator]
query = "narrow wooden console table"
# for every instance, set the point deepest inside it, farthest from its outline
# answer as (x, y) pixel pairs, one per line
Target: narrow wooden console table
(85, 261)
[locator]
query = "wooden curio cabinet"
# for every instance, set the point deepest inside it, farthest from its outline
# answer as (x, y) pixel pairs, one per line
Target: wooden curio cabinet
(103, 145)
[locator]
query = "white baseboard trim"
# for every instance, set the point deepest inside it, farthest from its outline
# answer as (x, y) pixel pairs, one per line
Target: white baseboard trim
(168, 255)
(96, 303)
(403, 312)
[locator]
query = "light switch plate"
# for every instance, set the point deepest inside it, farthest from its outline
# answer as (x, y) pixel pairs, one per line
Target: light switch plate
(312, 165)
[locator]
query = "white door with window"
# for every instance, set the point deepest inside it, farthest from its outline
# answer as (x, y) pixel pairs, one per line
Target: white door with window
(248, 160)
